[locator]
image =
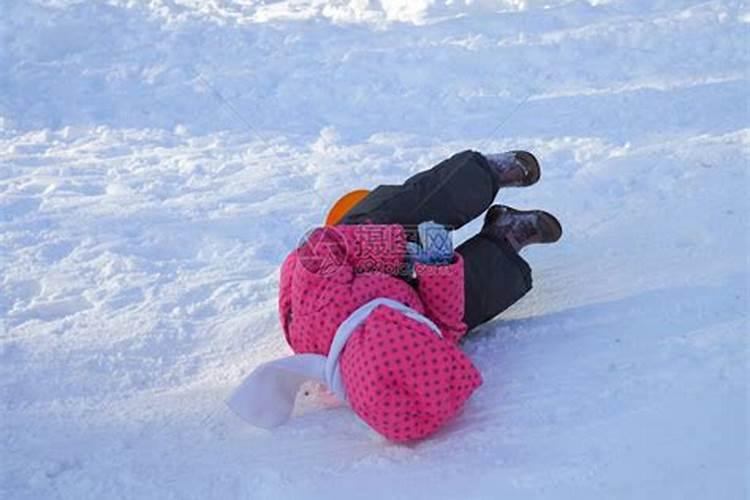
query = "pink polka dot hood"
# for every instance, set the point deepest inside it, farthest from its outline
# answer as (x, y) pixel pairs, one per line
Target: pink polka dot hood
(400, 377)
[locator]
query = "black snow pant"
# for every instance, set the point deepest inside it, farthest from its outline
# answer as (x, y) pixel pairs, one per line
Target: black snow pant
(453, 193)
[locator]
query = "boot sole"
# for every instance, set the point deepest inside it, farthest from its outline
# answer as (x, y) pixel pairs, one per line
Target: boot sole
(532, 164)
(553, 230)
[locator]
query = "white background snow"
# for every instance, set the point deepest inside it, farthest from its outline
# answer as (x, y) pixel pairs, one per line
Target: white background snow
(159, 158)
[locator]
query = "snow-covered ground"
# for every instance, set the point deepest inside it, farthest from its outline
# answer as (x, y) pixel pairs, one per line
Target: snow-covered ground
(158, 159)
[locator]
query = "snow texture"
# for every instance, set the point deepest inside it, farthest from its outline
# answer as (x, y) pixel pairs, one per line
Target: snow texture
(158, 159)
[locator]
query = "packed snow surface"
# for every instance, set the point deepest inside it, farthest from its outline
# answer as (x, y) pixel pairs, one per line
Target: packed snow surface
(158, 159)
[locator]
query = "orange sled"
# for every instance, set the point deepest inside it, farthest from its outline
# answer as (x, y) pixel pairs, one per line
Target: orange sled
(343, 205)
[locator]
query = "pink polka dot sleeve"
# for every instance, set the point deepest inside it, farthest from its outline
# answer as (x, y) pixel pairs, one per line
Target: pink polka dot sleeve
(441, 289)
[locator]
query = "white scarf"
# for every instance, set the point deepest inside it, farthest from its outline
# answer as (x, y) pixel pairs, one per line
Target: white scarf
(266, 396)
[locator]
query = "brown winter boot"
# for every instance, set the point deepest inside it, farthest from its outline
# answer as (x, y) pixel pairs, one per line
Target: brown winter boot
(521, 227)
(515, 168)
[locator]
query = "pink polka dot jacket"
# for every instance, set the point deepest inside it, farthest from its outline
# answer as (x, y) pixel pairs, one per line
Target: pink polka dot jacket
(401, 378)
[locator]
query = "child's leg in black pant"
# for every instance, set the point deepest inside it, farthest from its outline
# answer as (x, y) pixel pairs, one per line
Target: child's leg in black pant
(452, 193)
(495, 277)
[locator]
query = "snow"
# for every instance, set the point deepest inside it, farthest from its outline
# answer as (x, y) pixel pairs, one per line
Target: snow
(158, 159)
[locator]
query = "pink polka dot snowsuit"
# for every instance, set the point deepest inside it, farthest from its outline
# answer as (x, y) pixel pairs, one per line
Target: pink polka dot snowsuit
(400, 377)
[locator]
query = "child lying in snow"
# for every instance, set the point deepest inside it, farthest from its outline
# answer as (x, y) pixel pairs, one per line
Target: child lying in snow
(375, 310)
